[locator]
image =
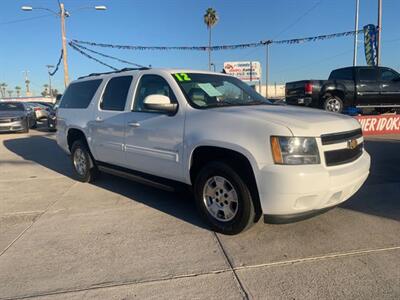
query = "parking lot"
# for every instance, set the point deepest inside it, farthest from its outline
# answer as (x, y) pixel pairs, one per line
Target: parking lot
(116, 239)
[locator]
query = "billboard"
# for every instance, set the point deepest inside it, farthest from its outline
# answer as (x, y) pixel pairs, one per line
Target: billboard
(370, 32)
(244, 70)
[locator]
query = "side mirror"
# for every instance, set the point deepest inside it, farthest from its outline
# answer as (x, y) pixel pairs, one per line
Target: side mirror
(160, 103)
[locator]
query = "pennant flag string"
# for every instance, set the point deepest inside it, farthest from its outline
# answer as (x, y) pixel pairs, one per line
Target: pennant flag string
(220, 47)
(90, 57)
(107, 56)
(58, 64)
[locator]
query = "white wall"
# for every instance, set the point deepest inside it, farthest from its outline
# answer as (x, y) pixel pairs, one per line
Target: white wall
(274, 90)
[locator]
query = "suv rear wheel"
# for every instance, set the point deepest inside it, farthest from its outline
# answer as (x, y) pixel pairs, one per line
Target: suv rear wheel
(224, 199)
(84, 168)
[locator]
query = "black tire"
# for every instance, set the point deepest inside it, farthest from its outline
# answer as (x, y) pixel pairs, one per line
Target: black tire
(333, 104)
(26, 127)
(245, 213)
(90, 171)
(34, 125)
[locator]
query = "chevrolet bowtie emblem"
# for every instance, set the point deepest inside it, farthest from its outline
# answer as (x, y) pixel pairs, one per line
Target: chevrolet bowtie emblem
(352, 144)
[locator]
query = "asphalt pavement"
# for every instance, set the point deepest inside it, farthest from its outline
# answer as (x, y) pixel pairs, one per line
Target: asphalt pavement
(116, 239)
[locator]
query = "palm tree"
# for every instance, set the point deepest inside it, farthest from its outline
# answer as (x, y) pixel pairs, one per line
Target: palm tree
(46, 90)
(3, 87)
(10, 92)
(18, 91)
(210, 19)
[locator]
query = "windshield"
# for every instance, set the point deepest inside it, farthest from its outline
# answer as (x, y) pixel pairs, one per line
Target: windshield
(9, 106)
(209, 90)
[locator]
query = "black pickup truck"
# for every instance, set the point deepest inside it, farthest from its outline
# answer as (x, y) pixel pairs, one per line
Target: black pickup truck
(366, 88)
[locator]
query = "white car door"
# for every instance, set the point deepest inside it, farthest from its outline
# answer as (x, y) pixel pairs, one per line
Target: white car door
(108, 127)
(154, 140)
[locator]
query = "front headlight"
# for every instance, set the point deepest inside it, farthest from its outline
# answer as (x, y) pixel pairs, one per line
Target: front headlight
(294, 150)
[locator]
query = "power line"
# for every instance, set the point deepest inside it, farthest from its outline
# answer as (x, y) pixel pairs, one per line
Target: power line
(298, 19)
(25, 19)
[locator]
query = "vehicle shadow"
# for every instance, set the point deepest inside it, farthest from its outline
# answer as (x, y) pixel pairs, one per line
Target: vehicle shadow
(379, 196)
(45, 151)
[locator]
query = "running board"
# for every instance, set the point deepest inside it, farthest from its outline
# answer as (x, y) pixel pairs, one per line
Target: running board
(134, 177)
(377, 106)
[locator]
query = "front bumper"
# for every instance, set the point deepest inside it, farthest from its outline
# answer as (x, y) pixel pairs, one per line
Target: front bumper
(12, 126)
(291, 193)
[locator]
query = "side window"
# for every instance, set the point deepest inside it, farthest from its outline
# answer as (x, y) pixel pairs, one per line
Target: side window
(388, 75)
(342, 74)
(151, 85)
(367, 74)
(114, 97)
(79, 94)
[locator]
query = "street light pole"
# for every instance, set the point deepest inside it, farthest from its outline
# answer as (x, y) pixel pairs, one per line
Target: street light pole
(64, 44)
(356, 34)
(379, 32)
(62, 14)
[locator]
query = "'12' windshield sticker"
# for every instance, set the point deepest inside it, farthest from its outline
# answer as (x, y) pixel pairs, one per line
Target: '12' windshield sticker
(182, 77)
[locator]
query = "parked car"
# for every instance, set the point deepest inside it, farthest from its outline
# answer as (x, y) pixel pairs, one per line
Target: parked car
(366, 88)
(242, 156)
(52, 118)
(45, 104)
(16, 117)
(41, 111)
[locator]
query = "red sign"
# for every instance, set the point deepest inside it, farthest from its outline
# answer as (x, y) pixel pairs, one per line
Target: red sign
(383, 124)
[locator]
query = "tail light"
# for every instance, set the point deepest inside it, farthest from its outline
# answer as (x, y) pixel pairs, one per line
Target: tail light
(308, 88)
(37, 109)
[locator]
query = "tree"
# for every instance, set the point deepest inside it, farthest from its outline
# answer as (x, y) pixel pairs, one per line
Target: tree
(10, 92)
(18, 91)
(54, 92)
(210, 19)
(46, 91)
(3, 87)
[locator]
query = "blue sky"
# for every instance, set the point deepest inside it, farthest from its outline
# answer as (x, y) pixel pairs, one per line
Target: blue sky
(30, 40)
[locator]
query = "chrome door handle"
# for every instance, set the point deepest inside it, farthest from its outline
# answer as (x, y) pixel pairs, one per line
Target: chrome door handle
(134, 124)
(362, 85)
(385, 85)
(99, 119)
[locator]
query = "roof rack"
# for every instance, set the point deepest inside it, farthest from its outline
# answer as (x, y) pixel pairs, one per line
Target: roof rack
(117, 71)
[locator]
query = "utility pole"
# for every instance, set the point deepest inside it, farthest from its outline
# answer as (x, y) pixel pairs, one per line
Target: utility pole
(64, 44)
(356, 34)
(267, 43)
(379, 33)
(62, 14)
(48, 71)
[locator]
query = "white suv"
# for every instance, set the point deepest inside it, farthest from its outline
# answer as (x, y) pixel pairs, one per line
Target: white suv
(243, 156)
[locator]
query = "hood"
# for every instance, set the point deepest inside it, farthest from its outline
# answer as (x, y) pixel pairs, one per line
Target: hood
(300, 121)
(11, 114)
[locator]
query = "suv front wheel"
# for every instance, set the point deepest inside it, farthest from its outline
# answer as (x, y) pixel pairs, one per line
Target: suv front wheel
(84, 168)
(223, 199)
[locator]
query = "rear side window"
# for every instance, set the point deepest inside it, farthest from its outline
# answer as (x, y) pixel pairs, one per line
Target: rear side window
(79, 94)
(367, 74)
(342, 74)
(114, 97)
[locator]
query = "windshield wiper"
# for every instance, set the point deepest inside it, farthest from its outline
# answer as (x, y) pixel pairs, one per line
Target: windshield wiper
(222, 103)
